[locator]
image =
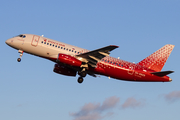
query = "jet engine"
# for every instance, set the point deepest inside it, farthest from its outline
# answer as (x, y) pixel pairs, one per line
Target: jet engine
(60, 69)
(69, 60)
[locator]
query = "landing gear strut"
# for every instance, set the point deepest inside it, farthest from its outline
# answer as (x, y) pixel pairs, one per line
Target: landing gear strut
(82, 74)
(21, 53)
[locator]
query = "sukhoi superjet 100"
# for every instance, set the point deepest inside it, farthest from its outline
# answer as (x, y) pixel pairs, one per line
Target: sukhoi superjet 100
(71, 60)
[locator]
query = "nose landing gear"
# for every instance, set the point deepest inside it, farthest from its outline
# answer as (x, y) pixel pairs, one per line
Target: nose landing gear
(21, 53)
(19, 59)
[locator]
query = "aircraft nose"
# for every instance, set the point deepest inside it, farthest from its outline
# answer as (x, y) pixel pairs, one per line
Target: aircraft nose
(8, 41)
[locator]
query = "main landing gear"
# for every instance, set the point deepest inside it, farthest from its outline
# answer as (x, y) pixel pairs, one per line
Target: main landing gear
(21, 53)
(82, 74)
(80, 79)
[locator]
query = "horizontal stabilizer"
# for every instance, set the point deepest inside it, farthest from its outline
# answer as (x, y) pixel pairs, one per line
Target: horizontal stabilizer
(162, 73)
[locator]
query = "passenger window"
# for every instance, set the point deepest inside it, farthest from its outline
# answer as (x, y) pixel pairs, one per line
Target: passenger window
(105, 60)
(50, 44)
(56, 46)
(53, 45)
(61, 47)
(75, 51)
(47, 43)
(72, 51)
(78, 52)
(42, 42)
(64, 48)
(69, 49)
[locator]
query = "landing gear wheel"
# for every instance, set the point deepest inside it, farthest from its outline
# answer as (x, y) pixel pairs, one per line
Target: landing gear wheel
(80, 79)
(19, 59)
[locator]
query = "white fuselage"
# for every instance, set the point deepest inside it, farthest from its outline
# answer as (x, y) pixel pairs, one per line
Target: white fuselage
(43, 47)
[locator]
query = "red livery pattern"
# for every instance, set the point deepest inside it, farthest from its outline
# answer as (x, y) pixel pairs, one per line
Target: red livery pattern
(157, 60)
(145, 71)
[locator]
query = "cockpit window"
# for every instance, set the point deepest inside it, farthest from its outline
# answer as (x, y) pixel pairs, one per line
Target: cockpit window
(23, 36)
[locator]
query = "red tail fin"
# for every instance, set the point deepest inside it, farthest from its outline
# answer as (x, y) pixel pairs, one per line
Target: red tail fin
(157, 60)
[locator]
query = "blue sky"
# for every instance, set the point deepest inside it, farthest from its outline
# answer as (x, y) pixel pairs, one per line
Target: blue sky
(30, 90)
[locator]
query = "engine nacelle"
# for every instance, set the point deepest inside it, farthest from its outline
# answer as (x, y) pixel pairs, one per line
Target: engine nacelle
(60, 69)
(69, 60)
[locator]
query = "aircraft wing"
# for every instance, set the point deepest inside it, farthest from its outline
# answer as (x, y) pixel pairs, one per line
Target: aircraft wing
(92, 57)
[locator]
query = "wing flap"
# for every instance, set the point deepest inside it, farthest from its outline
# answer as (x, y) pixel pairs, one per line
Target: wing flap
(94, 58)
(105, 54)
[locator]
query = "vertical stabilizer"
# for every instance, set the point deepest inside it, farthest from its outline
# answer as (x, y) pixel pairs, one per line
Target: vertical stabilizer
(157, 60)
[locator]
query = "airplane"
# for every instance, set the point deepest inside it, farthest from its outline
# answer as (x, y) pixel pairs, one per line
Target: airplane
(71, 60)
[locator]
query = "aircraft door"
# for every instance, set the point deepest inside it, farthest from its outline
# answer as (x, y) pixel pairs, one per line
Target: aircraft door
(35, 40)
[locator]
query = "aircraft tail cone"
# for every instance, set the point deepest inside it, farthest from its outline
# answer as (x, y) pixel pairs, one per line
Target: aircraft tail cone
(170, 79)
